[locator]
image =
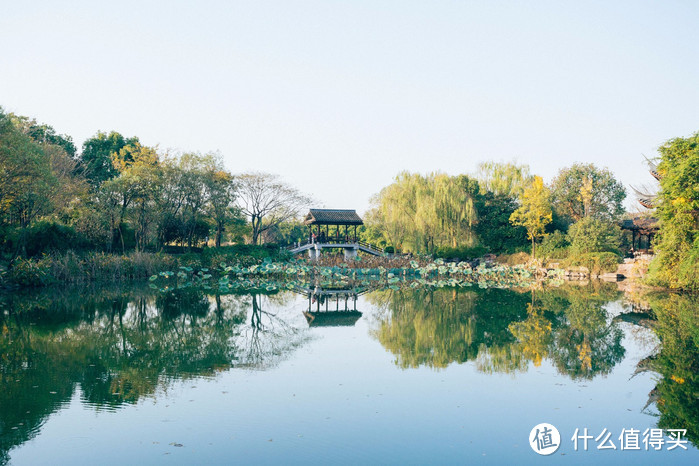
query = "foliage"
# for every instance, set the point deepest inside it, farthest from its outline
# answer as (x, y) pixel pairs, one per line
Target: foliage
(47, 236)
(98, 153)
(493, 227)
(535, 212)
(30, 272)
(597, 262)
(678, 244)
(583, 190)
(554, 246)
(593, 235)
(420, 213)
(44, 134)
(460, 253)
(504, 178)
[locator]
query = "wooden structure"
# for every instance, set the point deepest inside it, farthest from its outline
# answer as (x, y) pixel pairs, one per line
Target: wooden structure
(332, 307)
(334, 229)
(641, 226)
(319, 218)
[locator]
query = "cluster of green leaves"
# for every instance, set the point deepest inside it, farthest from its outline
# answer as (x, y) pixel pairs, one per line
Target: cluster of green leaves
(37, 177)
(584, 190)
(117, 194)
(677, 248)
(421, 213)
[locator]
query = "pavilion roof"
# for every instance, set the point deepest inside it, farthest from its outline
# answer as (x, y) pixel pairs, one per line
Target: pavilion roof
(644, 224)
(332, 318)
(332, 217)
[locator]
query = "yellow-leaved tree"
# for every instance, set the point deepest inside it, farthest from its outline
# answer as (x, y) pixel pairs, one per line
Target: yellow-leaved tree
(535, 212)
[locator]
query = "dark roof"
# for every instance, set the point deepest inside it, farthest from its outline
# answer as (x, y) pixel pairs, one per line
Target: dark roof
(649, 224)
(332, 318)
(332, 217)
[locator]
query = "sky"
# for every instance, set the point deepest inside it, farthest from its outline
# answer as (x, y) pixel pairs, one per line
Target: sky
(338, 97)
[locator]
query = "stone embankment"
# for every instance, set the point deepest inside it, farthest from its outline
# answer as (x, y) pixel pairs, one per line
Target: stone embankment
(631, 269)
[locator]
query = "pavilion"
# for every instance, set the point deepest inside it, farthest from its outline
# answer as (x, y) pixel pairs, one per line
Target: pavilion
(320, 218)
(333, 229)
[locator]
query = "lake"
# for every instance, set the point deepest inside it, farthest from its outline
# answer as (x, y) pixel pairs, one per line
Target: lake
(345, 376)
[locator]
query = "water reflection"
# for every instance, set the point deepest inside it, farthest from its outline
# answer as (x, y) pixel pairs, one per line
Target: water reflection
(332, 306)
(676, 394)
(117, 346)
(502, 330)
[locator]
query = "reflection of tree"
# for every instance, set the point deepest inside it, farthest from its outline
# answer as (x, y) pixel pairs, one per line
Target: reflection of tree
(586, 342)
(676, 394)
(500, 330)
(117, 346)
(270, 335)
(437, 327)
(533, 335)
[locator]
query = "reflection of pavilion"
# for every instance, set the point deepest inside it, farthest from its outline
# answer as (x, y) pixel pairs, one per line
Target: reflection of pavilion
(332, 307)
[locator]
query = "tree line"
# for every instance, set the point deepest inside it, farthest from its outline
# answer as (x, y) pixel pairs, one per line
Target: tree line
(503, 208)
(117, 194)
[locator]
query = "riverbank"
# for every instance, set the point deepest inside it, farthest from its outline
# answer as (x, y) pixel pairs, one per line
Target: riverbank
(72, 267)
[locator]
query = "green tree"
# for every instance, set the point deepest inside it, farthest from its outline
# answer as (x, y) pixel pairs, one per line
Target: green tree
(44, 134)
(504, 178)
(676, 264)
(583, 190)
(97, 155)
(493, 228)
(221, 191)
(535, 212)
(27, 181)
(421, 213)
(593, 235)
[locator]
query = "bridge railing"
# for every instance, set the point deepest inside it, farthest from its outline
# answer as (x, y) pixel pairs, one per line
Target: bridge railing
(299, 244)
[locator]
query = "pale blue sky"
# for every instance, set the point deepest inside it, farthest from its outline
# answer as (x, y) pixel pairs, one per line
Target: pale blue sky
(337, 97)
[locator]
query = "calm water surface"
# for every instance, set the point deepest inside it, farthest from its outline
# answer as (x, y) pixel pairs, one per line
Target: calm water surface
(414, 376)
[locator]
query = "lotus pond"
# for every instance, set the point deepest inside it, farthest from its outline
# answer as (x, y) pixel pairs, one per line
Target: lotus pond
(429, 364)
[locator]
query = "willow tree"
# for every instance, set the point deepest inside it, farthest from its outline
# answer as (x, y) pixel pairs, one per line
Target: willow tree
(419, 213)
(504, 178)
(535, 212)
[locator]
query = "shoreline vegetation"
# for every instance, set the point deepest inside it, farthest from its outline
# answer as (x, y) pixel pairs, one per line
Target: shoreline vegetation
(245, 265)
(118, 210)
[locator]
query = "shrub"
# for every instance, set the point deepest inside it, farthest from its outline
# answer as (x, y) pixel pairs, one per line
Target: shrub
(593, 235)
(462, 253)
(554, 246)
(389, 250)
(30, 272)
(514, 259)
(597, 262)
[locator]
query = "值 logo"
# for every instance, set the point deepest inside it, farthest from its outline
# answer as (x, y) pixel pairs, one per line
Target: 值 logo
(544, 439)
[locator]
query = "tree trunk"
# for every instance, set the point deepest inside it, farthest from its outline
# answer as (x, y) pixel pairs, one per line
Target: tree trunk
(219, 233)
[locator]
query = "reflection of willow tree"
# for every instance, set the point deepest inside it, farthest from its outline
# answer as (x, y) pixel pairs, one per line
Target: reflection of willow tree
(500, 330)
(437, 327)
(116, 346)
(677, 393)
